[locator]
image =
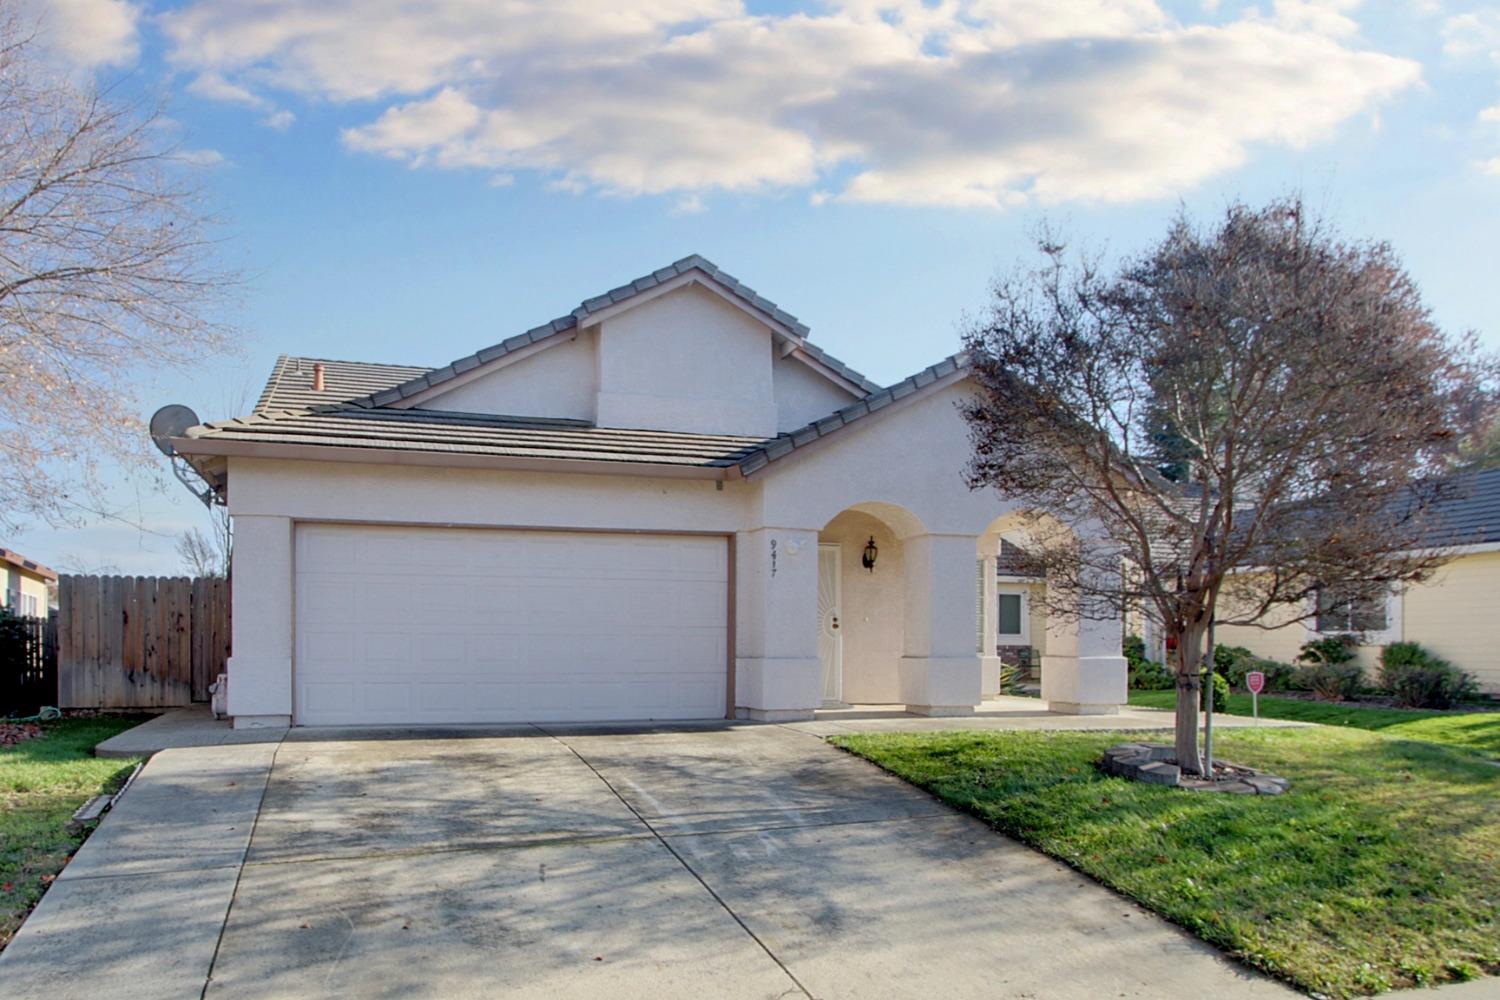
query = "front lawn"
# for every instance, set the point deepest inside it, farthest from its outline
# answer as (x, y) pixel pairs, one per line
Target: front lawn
(1476, 731)
(42, 781)
(1379, 869)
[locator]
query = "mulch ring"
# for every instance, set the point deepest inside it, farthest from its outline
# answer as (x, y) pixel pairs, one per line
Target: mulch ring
(12, 733)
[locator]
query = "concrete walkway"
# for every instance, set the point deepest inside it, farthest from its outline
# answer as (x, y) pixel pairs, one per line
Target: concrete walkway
(737, 861)
(196, 726)
(182, 727)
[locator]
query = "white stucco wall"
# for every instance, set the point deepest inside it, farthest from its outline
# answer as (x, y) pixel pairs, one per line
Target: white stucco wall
(904, 465)
(686, 361)
(560, 381)
(910, 455)
(803, 395)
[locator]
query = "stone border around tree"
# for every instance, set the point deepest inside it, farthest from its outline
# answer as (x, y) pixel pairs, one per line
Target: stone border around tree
(1153, 763)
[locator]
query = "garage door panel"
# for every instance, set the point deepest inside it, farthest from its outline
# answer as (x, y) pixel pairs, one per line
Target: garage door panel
(432, 625)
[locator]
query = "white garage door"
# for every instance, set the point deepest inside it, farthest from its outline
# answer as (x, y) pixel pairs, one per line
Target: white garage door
(447, 625)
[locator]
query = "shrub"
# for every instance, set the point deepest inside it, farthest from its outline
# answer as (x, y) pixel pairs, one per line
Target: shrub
(1419, 678)
(1232, 662)
(1329, 649)
(1332, 681)
(1145, 674)
(1148, 675)
(1220, 688)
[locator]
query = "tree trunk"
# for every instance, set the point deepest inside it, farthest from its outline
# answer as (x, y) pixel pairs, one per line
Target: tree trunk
(1189, 697)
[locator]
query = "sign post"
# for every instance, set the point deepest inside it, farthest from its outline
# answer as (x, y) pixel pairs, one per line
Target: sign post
(1256, 682)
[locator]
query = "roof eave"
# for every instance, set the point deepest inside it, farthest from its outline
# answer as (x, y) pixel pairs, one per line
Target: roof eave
(209, 446)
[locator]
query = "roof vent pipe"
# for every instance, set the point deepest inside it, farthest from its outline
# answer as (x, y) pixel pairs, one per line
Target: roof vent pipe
(318, 377)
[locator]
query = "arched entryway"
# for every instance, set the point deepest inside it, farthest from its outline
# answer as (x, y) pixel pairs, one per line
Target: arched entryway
(862, 608)
(1015, 627)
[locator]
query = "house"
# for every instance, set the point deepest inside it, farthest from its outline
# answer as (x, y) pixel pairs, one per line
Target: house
(1454, 614)
(665, 504)
(25, 584)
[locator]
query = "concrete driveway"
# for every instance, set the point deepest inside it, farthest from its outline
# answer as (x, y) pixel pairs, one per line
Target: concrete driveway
(743, 861)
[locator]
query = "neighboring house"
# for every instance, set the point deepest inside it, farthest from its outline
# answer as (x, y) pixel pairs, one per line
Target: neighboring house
(1456, 614)
(1020, 611)
(666, 504)
(25, 584)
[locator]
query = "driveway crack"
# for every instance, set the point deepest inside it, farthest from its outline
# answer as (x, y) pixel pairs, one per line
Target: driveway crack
(681, 860)
(234, 893)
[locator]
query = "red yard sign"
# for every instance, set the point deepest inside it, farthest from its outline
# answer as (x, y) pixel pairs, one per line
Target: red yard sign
(1255, 681)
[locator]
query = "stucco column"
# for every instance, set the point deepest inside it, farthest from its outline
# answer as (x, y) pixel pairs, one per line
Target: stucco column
(940, 669)
(1083, 671)
(778, 676)
(989, 661)
(260, 669)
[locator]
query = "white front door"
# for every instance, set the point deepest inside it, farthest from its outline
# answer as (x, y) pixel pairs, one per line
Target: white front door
(830, 635)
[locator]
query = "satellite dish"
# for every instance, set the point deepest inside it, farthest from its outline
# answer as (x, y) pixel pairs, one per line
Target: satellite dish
(171, 421)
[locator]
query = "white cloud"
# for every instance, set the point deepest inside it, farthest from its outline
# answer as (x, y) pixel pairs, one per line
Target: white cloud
(1474, 34)
(88, 33)
(216, 88)
(200, 157)
(959, 102)
(279, 120)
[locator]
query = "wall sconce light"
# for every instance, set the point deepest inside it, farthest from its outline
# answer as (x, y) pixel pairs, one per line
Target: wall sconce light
(871, 554)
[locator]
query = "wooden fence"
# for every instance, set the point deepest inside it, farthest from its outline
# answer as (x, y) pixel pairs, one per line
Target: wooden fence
(139, 642)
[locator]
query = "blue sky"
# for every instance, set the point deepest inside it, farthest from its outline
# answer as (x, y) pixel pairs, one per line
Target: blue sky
(408, 182)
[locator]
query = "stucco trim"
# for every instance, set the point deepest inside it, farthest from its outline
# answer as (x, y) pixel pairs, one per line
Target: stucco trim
(194, 447)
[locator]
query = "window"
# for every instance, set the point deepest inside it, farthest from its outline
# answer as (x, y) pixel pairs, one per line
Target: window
(29, 605)
(1012, 625)
(1345, 609)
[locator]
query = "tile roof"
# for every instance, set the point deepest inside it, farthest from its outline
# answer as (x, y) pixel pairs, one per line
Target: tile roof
(423, 379)
(290, 385)
(347, 424)
(1467, 511)
(352, 410)
(442, 432)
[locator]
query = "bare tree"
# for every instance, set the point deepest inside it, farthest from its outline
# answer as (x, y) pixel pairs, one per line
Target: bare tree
(1308, 401)
(208, 553)
(105, 275)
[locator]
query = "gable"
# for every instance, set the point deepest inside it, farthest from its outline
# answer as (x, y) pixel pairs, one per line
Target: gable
(686, 361)
(688, 308)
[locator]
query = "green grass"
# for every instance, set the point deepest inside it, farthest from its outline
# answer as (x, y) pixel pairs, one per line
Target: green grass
(42, 782)
(1476, 731)
(1379, 869)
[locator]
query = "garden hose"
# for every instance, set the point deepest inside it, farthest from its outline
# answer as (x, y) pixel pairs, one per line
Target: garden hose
(47, 714)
